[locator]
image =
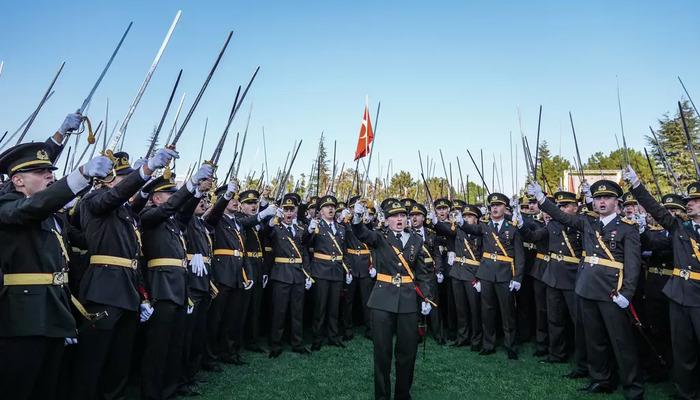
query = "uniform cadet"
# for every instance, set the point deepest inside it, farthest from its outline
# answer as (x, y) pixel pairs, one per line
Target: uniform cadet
(35, 314)
(402, 280)
(417, 214)
(289, 277)
(630, 206)
(465, 262)
(254, 263)
(442, 207)
(500, 273)
(607, 278)
(112, 281)
(327, 239)
(683, 287)
(233, 278)
(359, 261)
(200, 289)
(163, 224)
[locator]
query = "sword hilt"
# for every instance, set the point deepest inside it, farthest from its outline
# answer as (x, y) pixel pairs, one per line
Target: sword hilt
(167, 171)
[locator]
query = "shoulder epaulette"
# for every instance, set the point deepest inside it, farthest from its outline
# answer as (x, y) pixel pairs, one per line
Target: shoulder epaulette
(655, 227)
(628, 221)
(485, 219)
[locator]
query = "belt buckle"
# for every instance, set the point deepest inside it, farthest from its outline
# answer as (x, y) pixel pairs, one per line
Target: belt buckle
(396, 280)
(134, 264)
(594, 260)
(547, 258)
(59, 278)
(685, 274)
(494, 257)
(184, 263)
(292, 260)
(558, 257)
(333, 258)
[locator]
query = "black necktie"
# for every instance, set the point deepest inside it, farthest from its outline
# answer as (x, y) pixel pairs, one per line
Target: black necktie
(291, 232)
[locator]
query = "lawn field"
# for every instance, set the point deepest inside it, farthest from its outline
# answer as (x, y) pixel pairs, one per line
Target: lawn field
(444, 373)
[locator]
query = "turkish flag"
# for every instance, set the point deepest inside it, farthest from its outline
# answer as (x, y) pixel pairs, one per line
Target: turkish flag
(366, 136)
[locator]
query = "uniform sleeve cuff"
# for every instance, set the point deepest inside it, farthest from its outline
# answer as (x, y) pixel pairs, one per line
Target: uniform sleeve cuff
(142, 172)
(76, 181)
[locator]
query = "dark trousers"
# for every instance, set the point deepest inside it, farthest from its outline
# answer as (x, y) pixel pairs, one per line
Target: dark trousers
(468, 306)
(361, 287)
(685, 337)
(608, 327)
(29, 367)
(162, 356)
(580, 349)
(540, 312)
(658, 324)
(226, 320)
(437, 324)
(252, 325)
(525, 317)
(448, 314)
(386, 325)
(195, 338)
(326, 308)
(496, 295)
(287, 296)
(102, 359)
(561, 312)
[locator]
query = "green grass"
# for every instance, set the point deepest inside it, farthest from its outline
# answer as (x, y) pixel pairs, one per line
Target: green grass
(444, 373)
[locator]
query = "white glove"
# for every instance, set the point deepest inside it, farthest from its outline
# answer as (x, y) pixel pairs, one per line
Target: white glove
(206, 171)
(534, 189)
(344, 214)
(71, 123)
(98, 167)
(265, 278)
(162, 158)
(249, 285)
(432, 218)
(440, 277)
(586, 188)
(484, 210)
(270, 211)
(451, 256)
(313, 224)
(372, 272)
(190, 309)
(514, 286)
(641, 221)
(380, 216)
(146, 311)
(514, 203)
(139, 163)
(358, 208)
(425, 308)
(518, 217)
(348, 279)
(621, 301)
(231, 188)
(198, 267)
(70, 341)
(307, 284)
(630, 176)
(459, 219)
(476, 285)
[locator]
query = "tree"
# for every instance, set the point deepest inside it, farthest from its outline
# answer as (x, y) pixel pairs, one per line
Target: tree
(402, 185)
(552, 168)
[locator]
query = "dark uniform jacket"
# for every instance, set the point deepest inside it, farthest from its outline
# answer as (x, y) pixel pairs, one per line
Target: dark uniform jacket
(494, 270)
(198, 241)
(388, 296)
(28, 232)
(228, 270)
(252, 242)
(431, 250)
(324, 242)
(683, 291)
(534, 267)
(595, 281)
(467, 248)
(291, 272)
(163, 237)
(657, 256)
(111, 227)
(359, 264)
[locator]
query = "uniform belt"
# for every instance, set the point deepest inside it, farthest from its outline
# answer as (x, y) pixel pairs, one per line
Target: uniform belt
(254, 254)
(396, 280)
(268, 249)
(686, 274)
(167, 262)
(78, 250)
(326, 257)
(428, 260)
(290, 260)
(207, 260)
(603, 261)
(468, 261)
(56, 278)
(561, 257)
(660, 271)
(358, 252)
(544, 257)
(228, 252)
(497, 257)
(115, 261)
(529, 245)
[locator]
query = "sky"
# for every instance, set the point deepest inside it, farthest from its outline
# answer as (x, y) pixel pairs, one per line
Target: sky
(450, 75)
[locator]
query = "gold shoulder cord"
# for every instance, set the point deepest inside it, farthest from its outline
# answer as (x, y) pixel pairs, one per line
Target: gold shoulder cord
(610, 256)
(337, 246)
(568, 244)
(500, 246)
(469, 249)
(240, 241)
(73, 300)
(410, 272)
(296, 249)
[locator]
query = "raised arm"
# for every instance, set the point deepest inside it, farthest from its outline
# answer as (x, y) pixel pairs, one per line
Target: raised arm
(109, 200)
(155, 215)
(659, 212)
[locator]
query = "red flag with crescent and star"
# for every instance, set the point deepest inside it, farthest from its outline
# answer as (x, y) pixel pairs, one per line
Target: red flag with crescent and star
(366, 136)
